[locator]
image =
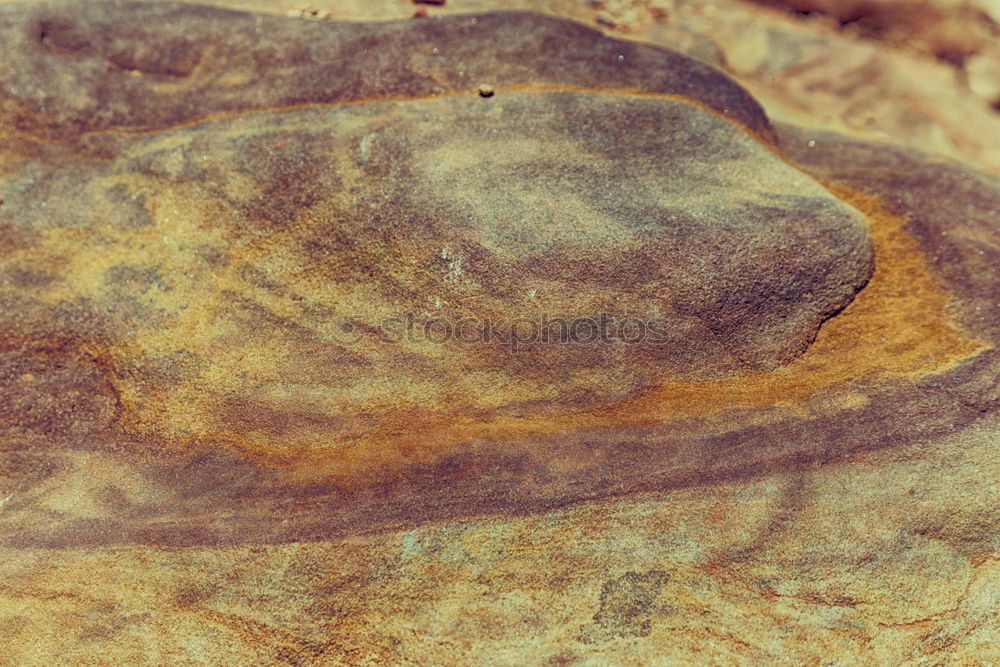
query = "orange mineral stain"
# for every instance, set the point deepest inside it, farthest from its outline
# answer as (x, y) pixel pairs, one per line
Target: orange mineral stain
(896, 326)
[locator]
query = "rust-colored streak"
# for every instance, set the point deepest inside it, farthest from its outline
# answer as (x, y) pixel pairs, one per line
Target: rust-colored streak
(896, 326)
(195, 467)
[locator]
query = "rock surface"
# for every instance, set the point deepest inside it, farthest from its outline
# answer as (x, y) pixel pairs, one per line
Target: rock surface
(221, 439)
(918, 73)
(145, 66)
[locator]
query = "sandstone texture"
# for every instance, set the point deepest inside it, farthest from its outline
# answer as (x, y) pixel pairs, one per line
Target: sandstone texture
(279, 382)
(920, 73)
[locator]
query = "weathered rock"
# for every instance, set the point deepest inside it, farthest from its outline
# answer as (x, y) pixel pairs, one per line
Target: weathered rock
(575, 205)
(89, 66)
(535, 205)
(914, 73)
(227, 240)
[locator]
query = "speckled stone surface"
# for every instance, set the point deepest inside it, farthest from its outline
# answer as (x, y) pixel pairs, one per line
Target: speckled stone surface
(224, 438)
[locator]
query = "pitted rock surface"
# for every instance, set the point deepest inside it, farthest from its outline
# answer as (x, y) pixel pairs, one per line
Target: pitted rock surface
(221, 439)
